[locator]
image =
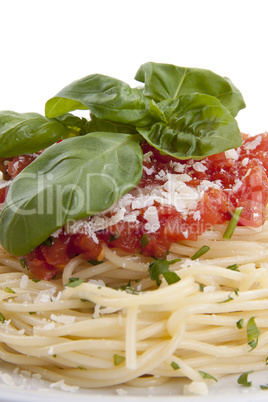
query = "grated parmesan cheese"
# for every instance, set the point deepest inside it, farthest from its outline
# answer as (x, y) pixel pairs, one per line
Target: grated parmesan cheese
(196, 387)
(24, 282)
(151, 216)
(148, 171)
(245, 161)
(177, 166)
(250, 146)
(64, 387)
(63, 319)
(231, 154)
(199, 167)
(147, 156)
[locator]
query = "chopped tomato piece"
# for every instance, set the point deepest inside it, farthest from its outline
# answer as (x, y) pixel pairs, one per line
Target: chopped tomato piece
(38, 266)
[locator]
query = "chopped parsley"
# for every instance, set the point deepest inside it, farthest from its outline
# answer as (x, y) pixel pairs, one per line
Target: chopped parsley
(118, 359)
(23, 263)
(227, 300)
(240, 323)
(253, 333)
(243, 379)
(175, 366)
(200, 252)
(128, 288)
(48, 242)
(206, 375)
(161, 267)
(73, 282)
(233, 267)
(2, 318)
(94, 262)
(144, 240)
(114, 236)
(8, 290)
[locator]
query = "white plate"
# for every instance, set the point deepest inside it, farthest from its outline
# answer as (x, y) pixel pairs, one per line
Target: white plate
(18, 387)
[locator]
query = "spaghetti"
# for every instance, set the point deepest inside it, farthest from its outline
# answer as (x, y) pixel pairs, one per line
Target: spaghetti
(100, 332)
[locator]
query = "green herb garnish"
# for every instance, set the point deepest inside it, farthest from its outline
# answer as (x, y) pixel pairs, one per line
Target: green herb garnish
(161, 267)
(73, 282)
(94, 262)
(227, 300)
(118, 359)
(240, 323)
(128, 288)
(114, 236)
(144, 240)
(243, 379)
(2, 318)
(253, 333)
(233, 267)
(206, 375)
(175, 366)
(8, 290)
(232, 224)
(201, 287)
(200, 252)
(48, 242)
(23, 263)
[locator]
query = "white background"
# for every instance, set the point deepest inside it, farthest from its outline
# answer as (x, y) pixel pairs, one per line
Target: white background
(46, 44)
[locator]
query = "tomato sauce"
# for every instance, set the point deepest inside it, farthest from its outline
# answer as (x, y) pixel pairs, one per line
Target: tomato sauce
(239, 179)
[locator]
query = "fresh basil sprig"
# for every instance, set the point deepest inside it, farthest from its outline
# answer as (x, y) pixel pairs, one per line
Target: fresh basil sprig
(73, 179)
(184, 112)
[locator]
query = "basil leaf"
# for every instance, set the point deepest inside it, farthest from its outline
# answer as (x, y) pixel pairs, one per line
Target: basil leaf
(161, 267)
(76, 124)
(197, 126)
(108, 126)
(107, 98)
(167, 81)
(24, 133)
(73, 179)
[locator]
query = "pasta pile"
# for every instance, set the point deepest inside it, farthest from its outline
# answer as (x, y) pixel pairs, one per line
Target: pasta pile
(112, 325)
